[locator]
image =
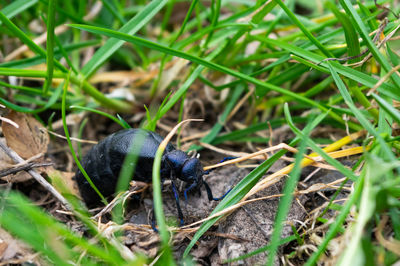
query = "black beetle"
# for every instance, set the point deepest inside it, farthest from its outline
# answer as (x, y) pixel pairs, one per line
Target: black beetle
(104, 161)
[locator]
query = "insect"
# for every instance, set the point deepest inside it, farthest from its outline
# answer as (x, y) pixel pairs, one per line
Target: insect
(104, 161)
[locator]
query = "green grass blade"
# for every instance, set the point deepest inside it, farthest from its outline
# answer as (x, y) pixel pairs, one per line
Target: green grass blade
(113, 118)
(209, 64)
(393, 112)
(353, 48)
(20, 88)
(130, 28)
(363, 120)
(306, 32)
(47, 104)
(261, 250)
(16, 7)
(51, 14)
(376, 172)
(286, 201)
(359, 25)
(188, 82)
(175, 38)
(63, 114)
(47, 235)
(244, 186)
(113, 10)
(215, 12)
(36, 60)
(167, 258)
(26, 40)
(28, 73)
(367, 80)
(334, 228)
(86, 86)
(236, 93)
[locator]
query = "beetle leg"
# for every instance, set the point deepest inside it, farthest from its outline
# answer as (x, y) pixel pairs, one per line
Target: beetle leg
(178, 205)
(188, 189)
(227, 159)
(153, 224)
(210, 195)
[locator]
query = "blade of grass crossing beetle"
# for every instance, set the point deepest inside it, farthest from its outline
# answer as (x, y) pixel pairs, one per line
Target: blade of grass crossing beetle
(244, 186)
(131, 27)
(73, 153)
(167, 258)
(125, 176)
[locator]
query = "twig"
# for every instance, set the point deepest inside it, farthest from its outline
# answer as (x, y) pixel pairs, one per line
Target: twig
(74, 139)
(376, 37)
(6, 120)
(23, 167)
(258, 153)
(16, 158)
(383, 79)
(386, 9)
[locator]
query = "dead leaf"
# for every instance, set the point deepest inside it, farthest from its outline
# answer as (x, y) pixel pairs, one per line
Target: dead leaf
(3, 247)
(27, 140)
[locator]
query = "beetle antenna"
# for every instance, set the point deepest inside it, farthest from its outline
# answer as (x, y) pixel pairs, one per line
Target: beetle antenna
(206, 172)
(210, 195)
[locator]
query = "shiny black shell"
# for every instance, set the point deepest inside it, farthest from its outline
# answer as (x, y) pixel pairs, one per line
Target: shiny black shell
(104, 161)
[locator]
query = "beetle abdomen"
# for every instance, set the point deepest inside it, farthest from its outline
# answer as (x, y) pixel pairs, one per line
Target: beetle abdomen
(104, 161)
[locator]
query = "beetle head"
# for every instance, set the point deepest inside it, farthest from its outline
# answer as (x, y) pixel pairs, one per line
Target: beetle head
(185, 168)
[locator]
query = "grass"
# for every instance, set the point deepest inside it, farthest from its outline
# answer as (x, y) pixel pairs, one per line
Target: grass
(272, 59)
